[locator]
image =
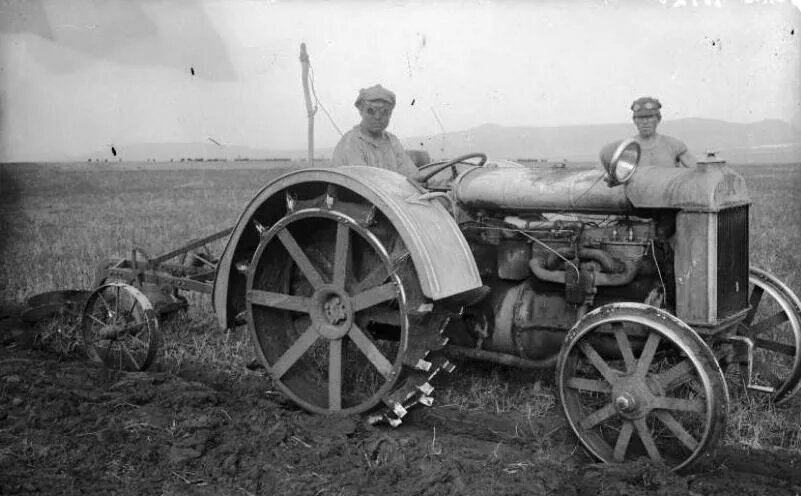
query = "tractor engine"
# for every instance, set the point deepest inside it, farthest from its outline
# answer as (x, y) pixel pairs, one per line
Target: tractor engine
(552, 244)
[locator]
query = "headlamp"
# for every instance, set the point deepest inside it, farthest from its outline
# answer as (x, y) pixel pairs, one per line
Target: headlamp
(622, 165)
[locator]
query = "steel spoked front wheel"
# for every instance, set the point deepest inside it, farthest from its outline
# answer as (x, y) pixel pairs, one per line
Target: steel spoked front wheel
(770, 338)
(636, 382)
(119, 328)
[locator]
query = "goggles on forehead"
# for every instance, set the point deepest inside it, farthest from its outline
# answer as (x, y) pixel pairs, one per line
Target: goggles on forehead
(645, 106)
(377, 109)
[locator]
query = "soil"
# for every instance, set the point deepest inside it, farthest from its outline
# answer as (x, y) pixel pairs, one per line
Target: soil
(70, 427)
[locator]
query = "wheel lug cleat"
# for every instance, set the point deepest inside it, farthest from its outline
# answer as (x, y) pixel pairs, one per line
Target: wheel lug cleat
(423, 365)
(398, 410)
(259, 227)
(426, 389)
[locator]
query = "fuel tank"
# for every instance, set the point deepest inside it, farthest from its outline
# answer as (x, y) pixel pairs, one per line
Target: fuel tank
(536, 190)
(527, 189)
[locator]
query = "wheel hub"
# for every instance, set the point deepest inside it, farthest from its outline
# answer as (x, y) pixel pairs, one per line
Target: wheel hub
(633, 396)
(335, 310)
(626, 403)
(331, 312)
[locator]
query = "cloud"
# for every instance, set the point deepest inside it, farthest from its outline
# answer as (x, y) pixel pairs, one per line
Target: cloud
(176, 35)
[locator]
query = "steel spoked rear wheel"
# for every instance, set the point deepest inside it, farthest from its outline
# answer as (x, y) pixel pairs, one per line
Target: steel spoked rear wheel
(637, 382)
(120, 328)
(316, 278)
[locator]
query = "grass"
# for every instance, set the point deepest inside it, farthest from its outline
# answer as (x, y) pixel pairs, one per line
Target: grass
(57, 226)
(58, 222)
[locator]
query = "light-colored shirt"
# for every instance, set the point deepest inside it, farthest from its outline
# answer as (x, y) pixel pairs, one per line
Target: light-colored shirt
(359, 148)
(661, 151)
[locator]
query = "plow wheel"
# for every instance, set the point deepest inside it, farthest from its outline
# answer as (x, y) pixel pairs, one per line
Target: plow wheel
(330, 306)
(637, 382)
(769, 338)
(120, 328)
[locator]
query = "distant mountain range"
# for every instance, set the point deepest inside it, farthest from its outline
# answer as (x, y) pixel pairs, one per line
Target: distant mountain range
(764, 141)
(768, 141)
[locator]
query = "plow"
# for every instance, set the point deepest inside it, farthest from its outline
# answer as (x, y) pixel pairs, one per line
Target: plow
(359, 286)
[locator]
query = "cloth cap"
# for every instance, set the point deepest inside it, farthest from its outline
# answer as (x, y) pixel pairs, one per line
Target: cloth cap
(376, 92)
(646, 107)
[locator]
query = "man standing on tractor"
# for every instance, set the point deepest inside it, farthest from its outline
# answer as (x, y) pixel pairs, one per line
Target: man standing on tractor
(657, 150)
(369, 143)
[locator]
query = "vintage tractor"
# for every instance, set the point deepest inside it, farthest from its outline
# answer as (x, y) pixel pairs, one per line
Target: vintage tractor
(357, 284)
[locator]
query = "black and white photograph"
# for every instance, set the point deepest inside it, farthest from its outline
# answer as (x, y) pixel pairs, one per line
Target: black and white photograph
(478, 247)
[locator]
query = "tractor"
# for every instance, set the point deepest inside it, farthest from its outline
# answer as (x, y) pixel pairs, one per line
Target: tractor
(359, 285)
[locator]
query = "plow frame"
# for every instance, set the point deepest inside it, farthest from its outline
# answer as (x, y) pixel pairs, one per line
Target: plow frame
(140, 268)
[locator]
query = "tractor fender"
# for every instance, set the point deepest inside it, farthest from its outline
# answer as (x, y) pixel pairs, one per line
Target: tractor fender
(442, 258)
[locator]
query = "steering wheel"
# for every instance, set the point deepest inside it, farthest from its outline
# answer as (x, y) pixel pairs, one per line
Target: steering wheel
(426, 172)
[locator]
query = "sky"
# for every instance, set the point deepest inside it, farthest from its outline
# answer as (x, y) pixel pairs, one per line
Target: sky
(77, 76)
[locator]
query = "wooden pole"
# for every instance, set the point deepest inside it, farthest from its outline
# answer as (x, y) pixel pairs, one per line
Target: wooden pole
(304, 62)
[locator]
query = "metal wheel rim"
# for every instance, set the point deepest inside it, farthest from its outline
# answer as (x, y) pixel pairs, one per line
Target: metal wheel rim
(392, 375)
(118, 326)
(696, 353)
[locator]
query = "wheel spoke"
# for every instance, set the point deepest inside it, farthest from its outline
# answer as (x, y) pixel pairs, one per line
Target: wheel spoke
(299, 256)
(598, 416)
(131, 358)
(117, 302)
(676, 375)
(681, 404)
(130, 327)
(625, 347)
(599, 363)
(589, 385)
(647, 355)
(141, 344)
(374, 296)
(279, 300)
(119, 356)
(376, 276)
(294, 352)
(623, 439)
(133, 305)
(647, 440)
(103, 299)
(109, 312)
(371, 351)
(784, 349)
(677, 429)
(753, 301)
(335, 374)
(341, 253)
(768, 324)
(96, 319)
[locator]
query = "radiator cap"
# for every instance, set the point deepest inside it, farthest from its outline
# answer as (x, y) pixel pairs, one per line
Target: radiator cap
(711, 158)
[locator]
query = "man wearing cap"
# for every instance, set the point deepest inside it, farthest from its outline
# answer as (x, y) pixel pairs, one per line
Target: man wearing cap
(657, 150)
(369, 143)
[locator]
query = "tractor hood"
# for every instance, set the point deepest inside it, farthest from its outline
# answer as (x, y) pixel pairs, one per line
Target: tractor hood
(708, 187)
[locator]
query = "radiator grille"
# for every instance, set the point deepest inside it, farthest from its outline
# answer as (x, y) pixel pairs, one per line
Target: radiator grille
(732, 260)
